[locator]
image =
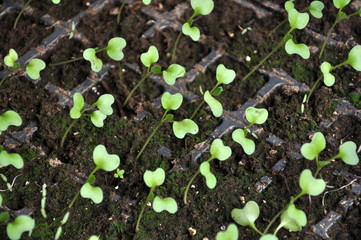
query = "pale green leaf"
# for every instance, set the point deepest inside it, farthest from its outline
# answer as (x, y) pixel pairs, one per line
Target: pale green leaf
(94, 237)
(181, 128)
(328, 78)
(247, 215)
(104, 104)
(150, 57)
(115, 48)
(14, 159)
(146, 2)
(300, 49)
(97, 118)
(21, 224)
(104, 160)
(312, 149)
(311, 185)
(203, 7)
(219, 150)
(340, 3)
(354, 58)
(289, 5)
(347, 153)
(316, 8)
(214, 104)
(193, 32)
(96, 63)
(268, 237)
(297, 20)
(154, 178)
(205, 170)
(168, 204)
(173, 72)
(34, 67)
(171, 101)
(293, 219)
(230, 234)
(11, 58)
(9, 118)
(56, 1)
(94, 193)
(248, 145)
(224, 75)
(78, 104)
(256, 115)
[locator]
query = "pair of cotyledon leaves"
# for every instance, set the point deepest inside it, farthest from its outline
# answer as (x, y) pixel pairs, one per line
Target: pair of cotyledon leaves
(200, 7)
(33, 68)
(173, 72)
(218, 151)
(97, 117)
(180, 128)
(114, 50)
(354, 59)
(156, 178)
(10, 118)
(21, 224)
(103, 161)
(253, 116)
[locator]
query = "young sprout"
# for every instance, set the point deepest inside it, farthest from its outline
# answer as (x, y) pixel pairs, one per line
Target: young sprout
(180, 128)
(9, 118)
(43, 201)
(292, 219)
(339, 4)
(104, 104)
(253, 116)
(21, 224)
(247, 215)
(223, 76)
(60, 228)
(353, 59)
(218, 151)
(200, 7)
(94, 237)
(153, 179)
(114, 50)
(119, 174)
(72, 30)
(32, 68)
(230, 234)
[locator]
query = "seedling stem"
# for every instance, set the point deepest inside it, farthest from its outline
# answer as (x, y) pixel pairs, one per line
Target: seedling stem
(147, 74)
(201, 104)
(120, 10)
(21, 12)
(77, 194)
(145, 204)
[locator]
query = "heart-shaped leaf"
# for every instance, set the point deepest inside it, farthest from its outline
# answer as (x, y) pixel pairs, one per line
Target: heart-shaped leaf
(97, 118)
(173, 72)
(328, 78)
(34, 67)
(340, 3)
(156, 69)
(311, 185)
(154, 178)
(300, 49)
(354, 58)
(171, 101)
(247, 215)
(297, 20)
(146, 2)
(78, 104)
(104, 160)
(248, 145)
(115, 48)
(104, 104)
(312, 149)
(21, 224)
(150, 57)
(347, 153)
(9, 118)
(230, 234)
(94, 193)
(316, 8)
(181, 128)
(268, 237)
(168, 204)
(4, 216)
(96, 63)
(11, 159)
(289, 5)
(205, 169)
(293, 219)
(214, 104)
(224, 75)
(256, 115)
(219, 150)
(203, 7)
(193, 32)
(11, 58)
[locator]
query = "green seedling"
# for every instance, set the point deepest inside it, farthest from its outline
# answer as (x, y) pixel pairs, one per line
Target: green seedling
(294, 219)
(353, 59)
(23, 9)
(230, 234)
(114, 51)
(253, 116)
(104, 105)
(146, 2)
(297, 20)
(21, 224)
(72, 30)
(200, 7)
(119, 174)
(62, 223)
(43, 201)
(218, 151)
(32, 68)
(339, 4)
(223, 76)
(170, 75)
(93, 237)
(180, 128)
(153, 179)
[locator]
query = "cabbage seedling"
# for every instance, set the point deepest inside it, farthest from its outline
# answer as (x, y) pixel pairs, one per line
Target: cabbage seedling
(339, 4)
(223, 76)
(32, 68)
(153, 179)
(104, 105)
(253, 116)
(294, 219)
(180, 128)
(200, 7)
(218, 151)
(114, 51)
(173, 72)
(230, 234)
(353, 59)
(21, 224)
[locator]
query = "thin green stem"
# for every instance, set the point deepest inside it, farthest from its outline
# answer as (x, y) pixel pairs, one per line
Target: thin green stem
(329, 33)
(141, 212)
(256, 229)
(151, 135)
(313, 88)
(21, 12)
(120, 10)
(77, 194)
(7, 74)
(201, 104)
(136, 86)
(277, 27)
(65, 62)
(67, 131)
